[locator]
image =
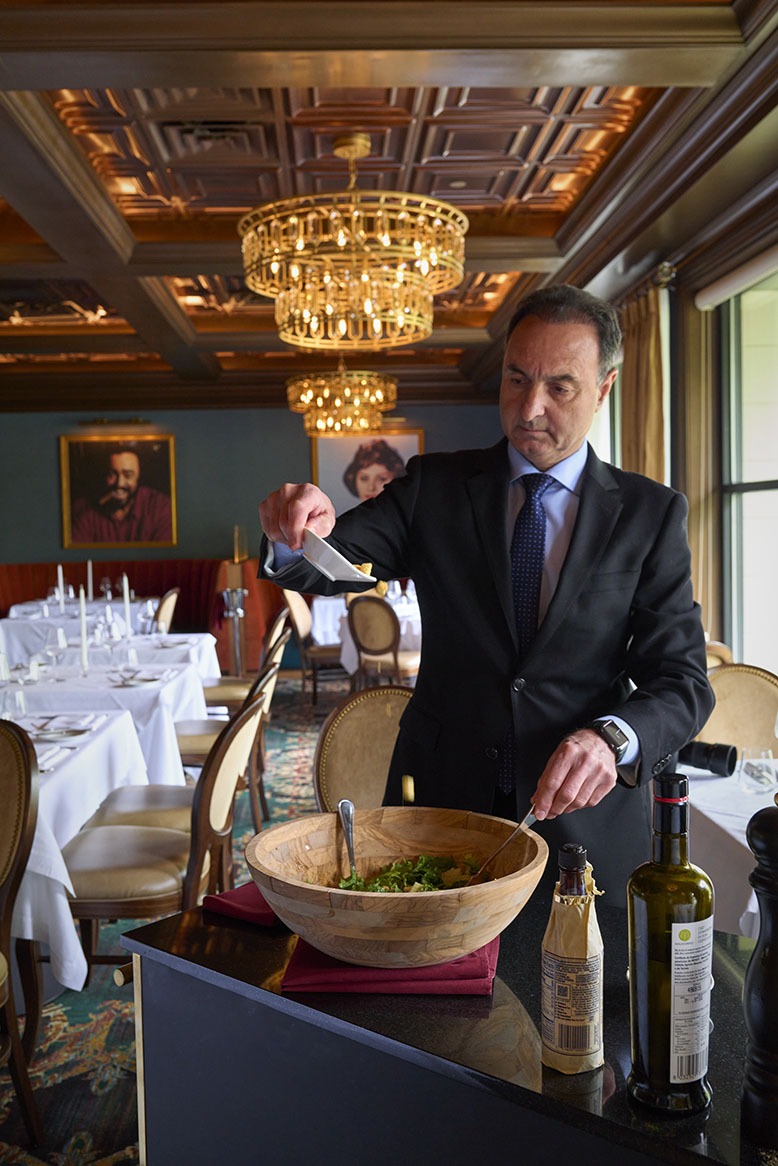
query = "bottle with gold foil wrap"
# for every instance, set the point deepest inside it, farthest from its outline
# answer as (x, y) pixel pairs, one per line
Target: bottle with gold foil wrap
(572, 966)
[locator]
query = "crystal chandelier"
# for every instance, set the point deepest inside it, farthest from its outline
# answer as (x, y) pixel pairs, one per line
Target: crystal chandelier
(341, 402)
(356, 269)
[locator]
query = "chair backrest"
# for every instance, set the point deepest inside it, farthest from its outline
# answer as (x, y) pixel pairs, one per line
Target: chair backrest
(355, 747)
(268, 676)
(299, 616)
(718, 653)
(214, 794)
(166, 607)
(272, 634)
(374, 625)
(19, 802)
(746, 707)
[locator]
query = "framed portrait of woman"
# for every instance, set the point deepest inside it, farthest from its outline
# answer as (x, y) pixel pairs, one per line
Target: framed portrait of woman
(351, 469)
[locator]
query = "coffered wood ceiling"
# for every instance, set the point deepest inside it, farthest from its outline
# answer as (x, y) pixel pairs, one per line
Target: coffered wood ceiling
(582, 139)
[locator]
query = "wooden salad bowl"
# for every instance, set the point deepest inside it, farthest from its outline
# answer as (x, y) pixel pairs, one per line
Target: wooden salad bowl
(297, 866)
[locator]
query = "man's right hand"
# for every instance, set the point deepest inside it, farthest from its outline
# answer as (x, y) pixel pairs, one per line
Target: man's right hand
(286, 512)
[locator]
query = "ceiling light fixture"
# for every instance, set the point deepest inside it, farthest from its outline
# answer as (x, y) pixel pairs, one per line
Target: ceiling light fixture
(341, 402)
(355, 269)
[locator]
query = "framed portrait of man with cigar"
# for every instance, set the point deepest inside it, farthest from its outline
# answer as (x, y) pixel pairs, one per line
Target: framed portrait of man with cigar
(118, 490)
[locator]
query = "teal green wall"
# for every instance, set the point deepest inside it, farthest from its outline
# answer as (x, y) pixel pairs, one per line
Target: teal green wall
(226, 461)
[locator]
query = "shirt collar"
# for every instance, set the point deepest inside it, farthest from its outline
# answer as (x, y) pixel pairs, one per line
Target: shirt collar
(568, 472)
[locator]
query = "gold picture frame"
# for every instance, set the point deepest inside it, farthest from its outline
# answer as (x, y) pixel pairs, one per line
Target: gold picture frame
(349, 468)
(118, 490)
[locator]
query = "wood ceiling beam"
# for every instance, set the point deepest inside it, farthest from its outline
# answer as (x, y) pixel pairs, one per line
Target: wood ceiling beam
(385, 42)
(55, 188)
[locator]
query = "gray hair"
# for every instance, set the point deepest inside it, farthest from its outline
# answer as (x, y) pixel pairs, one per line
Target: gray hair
(565, 304)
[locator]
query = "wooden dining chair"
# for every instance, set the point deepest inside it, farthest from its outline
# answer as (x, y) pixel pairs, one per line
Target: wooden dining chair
(141, 872)
(355, 746)
(314, 658)
(746, 709)
(231, 691)
(375, 629)
(18, 816)
(165, 609)
(717, 653)
(170, 806)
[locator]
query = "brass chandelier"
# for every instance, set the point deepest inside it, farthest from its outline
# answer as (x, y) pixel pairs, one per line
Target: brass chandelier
(342, 402)
(354, 270)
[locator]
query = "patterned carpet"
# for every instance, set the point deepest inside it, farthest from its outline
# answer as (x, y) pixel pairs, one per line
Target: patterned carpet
(83, 1072)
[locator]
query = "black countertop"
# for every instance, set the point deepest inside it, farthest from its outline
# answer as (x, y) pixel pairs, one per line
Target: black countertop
(497, 1038)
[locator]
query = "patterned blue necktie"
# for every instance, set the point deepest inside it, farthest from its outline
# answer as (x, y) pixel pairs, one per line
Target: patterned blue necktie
(527, 555)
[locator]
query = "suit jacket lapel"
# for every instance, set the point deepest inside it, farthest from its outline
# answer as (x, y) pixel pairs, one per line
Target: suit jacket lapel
(598, 511)
(488, 490)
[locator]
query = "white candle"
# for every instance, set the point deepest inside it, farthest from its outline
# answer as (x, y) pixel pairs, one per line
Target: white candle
(82, 616)
(90, 583)
(126, 595)
(61, 586)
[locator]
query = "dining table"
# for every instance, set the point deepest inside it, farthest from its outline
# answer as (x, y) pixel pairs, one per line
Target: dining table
(28, 626)
(196, 648)
(156, 696)
(329, 624)
(720, 813)
(82, 756)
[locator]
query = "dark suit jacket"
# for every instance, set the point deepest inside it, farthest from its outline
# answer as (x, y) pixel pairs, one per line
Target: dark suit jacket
(622, 636)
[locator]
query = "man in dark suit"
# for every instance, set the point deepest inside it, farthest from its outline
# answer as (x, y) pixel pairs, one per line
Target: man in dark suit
(613, 682)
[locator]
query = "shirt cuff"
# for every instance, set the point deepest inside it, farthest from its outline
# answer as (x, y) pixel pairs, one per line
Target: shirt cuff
(279, 556)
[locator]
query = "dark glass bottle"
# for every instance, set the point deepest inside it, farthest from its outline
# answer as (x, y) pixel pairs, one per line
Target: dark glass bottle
(670, 920)
(759, 1113)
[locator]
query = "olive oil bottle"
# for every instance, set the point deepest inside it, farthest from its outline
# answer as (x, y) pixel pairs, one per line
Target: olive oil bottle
(670, 920)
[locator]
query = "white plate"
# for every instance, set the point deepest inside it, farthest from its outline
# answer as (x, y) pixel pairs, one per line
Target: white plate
(331, 562)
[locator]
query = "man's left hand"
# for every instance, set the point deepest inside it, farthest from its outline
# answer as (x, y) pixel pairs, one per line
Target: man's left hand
(579, 773)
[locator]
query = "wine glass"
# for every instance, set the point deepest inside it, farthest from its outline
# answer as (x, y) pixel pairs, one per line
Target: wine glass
(756, 770)
(105, 587)
(54, 648)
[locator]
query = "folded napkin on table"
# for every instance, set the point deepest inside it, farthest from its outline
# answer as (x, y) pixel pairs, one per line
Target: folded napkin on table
(48, 758)
(310, 970)
(244, 902)
(72, 721)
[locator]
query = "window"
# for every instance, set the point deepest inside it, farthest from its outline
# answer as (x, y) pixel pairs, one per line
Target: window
(750, 486)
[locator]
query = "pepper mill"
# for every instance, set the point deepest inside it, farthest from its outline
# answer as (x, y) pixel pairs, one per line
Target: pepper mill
(759, 1102)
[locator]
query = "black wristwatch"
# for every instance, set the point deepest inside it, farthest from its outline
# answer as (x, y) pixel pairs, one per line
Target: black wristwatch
(613, 736)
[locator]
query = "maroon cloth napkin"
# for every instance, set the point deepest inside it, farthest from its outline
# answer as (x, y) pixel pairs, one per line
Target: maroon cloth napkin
(310, 970)
(245, 902)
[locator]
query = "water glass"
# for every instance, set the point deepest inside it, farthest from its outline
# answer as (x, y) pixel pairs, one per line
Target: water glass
(756, 770)
(13, 704)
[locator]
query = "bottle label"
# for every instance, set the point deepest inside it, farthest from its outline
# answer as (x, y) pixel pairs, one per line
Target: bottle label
(572, 1004)
(692, 954)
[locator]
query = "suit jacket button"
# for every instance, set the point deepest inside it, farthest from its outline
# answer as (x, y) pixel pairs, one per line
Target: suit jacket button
(492, 753)
(518, 684)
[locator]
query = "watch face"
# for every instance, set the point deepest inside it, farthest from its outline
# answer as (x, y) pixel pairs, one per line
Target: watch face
(613, 735)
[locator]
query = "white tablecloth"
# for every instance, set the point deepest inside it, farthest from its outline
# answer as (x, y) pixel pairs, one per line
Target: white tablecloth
(720, 814)
(35, 609)
(175, 694)
(106, 757)
(198, 649)
(329, 625)
(24, 634)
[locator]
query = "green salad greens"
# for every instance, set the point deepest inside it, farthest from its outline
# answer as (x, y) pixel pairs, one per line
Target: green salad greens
(425, 873)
